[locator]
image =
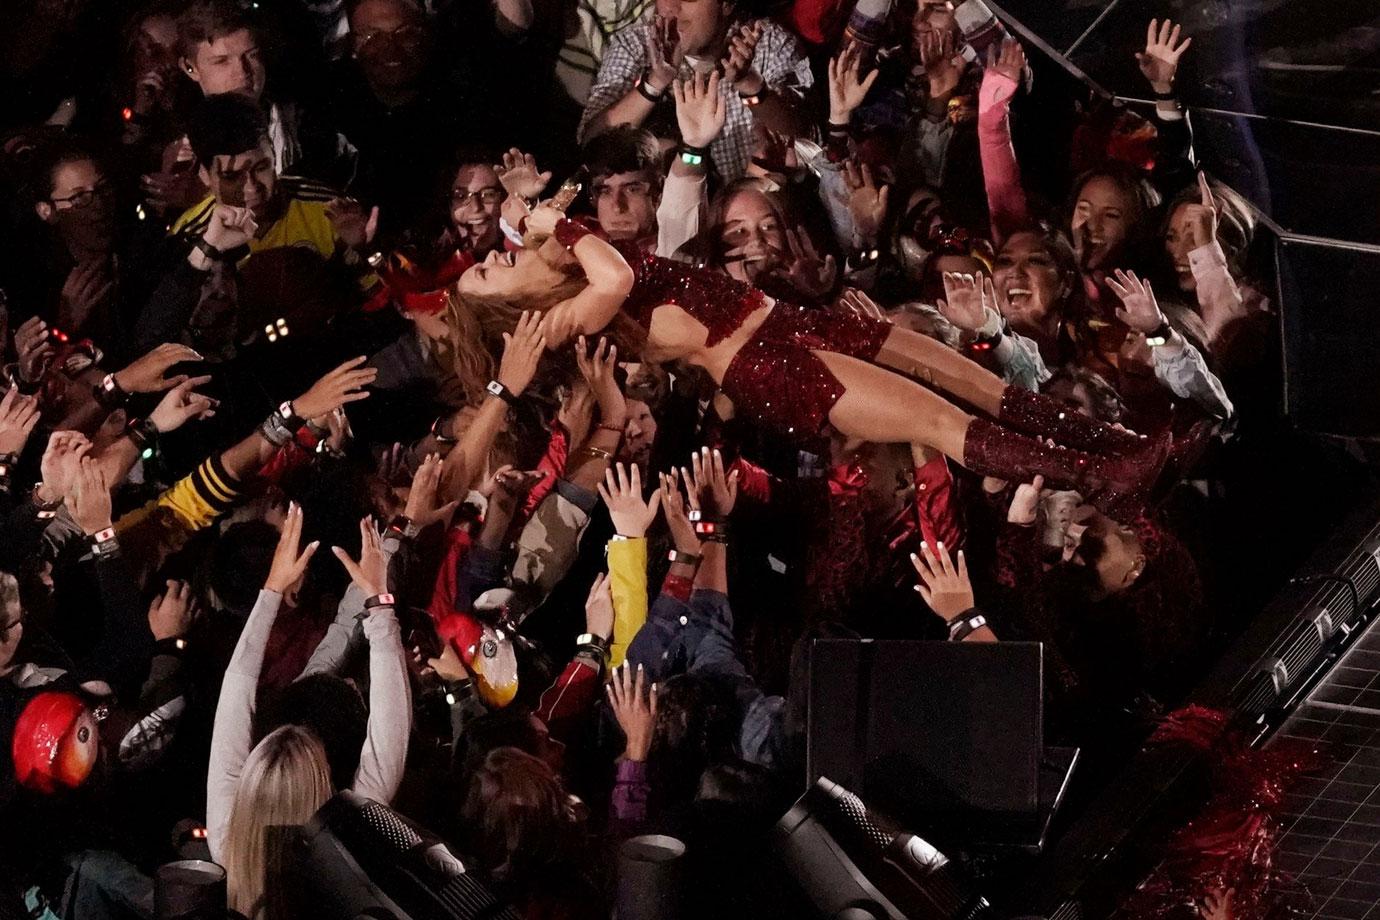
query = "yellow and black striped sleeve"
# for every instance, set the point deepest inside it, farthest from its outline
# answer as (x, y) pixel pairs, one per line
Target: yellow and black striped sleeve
(199, 498)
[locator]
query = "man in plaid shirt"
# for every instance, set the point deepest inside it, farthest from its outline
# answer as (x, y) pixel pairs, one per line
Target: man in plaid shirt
(764, 70)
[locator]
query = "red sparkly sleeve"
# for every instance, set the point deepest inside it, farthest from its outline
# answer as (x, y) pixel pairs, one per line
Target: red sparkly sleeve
(936, 505)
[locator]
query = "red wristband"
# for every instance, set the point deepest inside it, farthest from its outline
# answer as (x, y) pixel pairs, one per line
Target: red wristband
(569, 232)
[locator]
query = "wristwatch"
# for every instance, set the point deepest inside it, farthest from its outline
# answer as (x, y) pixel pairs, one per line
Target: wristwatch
(1160, 336)
(495, 388)
(594, 642)
(963, 626)
(110, 394)
(290, 418)
(379, 600)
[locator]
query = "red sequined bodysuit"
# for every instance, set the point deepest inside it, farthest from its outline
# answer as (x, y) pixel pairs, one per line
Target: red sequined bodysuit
(776, 379)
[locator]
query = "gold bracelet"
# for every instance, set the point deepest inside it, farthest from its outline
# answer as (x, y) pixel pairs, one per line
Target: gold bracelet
(598, 453)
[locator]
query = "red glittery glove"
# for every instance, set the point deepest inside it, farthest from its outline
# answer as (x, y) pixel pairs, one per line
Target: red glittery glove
(569, 232)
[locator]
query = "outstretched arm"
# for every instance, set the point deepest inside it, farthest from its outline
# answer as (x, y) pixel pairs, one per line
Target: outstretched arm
(232, 738)
(1001, 173)
(390, 695)
(522, 352)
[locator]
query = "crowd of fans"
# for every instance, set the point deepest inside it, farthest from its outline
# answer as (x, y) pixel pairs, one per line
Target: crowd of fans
(293, 503)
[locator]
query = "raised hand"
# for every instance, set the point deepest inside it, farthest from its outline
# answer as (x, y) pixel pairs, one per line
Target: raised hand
(345, 384)
(522, 351)
(946, 587)
(622, 494)
(148, 374)
(337, 426)
(664, 54)
(180, 405)
(806, 271)
(172, 190)
(519, 176)
(866, 202)
(170, 614)
(967, 300)
(599, 607)
(447, 666)
(859, 304)
(1008, 60)
(576, 414)
(86, 288)
(1160, 59)
(288, 564)
(1203, 216)
(634, 706)
(353, 226)
(511, 486)
(943, 65)
(847, 86)
(421, 508)
(370, 573)
(708, 489)
(673, 505)
(1140, 310)
(18, 416)
(1218, 905)
(89, 500)
(229, 228)
(700, 109)
(34, 349)
(61, 463)
(1025, 504)
(737, 64)
(598, 371)
(178, 185)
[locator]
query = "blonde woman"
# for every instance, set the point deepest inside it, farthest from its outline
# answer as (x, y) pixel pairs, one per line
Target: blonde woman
(286, 777)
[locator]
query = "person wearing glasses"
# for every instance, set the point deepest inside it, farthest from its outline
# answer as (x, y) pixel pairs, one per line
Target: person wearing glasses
(475, 206)
(95, 273)
(399, 102)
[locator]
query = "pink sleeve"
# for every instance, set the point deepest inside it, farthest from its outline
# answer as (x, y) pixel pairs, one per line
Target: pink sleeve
(1001, 174)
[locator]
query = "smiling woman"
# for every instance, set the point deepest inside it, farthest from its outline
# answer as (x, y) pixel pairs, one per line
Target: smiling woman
(476, 201)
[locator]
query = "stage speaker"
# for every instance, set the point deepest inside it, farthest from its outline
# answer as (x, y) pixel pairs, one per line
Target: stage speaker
(1328, 314)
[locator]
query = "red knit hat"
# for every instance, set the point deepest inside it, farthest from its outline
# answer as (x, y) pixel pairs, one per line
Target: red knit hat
(55, 742)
